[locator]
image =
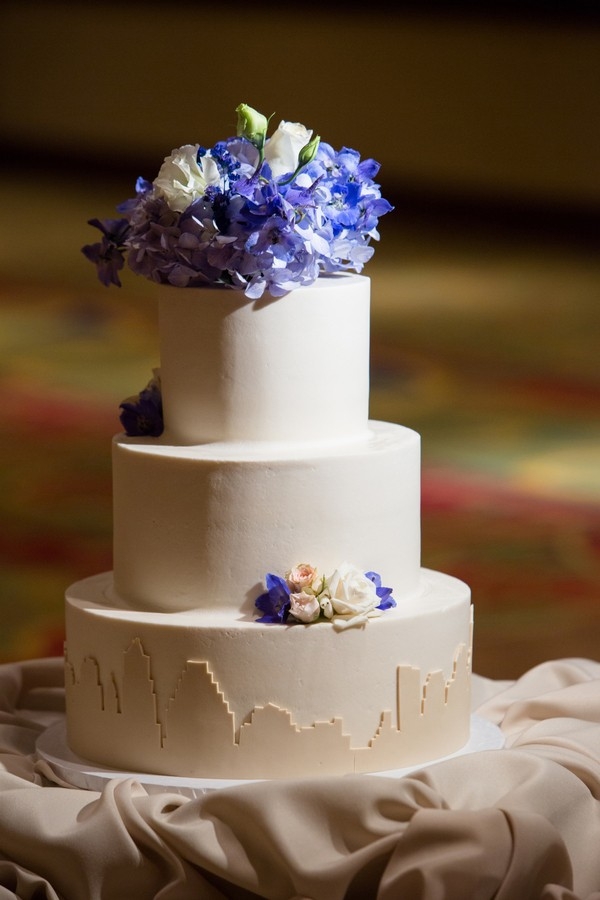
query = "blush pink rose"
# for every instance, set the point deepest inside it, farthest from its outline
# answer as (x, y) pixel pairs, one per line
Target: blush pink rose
(301, 576)
(304, 607)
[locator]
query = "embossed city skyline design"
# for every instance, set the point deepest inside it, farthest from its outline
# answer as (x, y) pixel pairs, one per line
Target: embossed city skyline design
(116, 723)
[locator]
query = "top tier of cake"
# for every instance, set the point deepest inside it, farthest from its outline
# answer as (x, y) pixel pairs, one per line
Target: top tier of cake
(292, 368)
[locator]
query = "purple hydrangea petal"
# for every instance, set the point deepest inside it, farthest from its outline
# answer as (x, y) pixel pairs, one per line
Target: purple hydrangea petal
(144, 415)
(384, 593)
(108, 255)
(274, 603)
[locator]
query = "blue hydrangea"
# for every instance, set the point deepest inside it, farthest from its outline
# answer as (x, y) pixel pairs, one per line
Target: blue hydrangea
(245, 228)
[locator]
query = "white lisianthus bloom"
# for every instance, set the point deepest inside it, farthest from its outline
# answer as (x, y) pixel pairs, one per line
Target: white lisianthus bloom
(353, 595)
(283, 147)
(182, 179)
(305, 607)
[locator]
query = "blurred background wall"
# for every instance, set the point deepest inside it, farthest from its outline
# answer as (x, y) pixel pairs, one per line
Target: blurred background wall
(486, 328)
(498, 100)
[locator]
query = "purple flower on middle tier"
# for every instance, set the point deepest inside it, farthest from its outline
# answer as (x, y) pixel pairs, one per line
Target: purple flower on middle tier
(142, 416)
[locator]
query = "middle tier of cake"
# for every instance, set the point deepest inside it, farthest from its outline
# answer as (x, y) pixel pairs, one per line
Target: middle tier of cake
(199, 527)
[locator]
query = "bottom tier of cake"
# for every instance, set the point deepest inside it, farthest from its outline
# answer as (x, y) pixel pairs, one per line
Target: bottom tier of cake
(217, 695)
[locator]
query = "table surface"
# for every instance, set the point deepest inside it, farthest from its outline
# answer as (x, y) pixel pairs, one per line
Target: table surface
(519, 822)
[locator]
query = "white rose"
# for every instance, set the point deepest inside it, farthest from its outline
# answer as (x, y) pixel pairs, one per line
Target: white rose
(282, 149)
(352, 593)
(182, 179)
(305, 607)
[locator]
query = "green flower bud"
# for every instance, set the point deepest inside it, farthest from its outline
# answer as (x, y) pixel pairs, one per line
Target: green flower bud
(308, 152)
(305, 155)
(251, 125)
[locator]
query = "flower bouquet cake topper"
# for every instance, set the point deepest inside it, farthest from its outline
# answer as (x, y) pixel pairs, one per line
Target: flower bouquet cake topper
(256, 213)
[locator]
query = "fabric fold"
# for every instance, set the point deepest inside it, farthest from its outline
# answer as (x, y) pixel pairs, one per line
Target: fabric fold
(522, 822)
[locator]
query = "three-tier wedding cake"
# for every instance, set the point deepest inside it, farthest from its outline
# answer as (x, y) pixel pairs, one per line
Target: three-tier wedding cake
(267, 615)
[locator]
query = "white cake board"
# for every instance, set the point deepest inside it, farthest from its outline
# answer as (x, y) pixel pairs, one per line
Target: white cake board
(53, 749)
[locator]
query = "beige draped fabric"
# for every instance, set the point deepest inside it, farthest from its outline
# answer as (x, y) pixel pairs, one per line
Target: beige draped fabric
(511, 824)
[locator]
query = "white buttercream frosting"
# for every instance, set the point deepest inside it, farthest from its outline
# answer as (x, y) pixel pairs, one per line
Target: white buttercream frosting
(293, 369)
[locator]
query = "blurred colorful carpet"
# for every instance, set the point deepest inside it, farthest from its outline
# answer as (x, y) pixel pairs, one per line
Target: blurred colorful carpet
(494, 360)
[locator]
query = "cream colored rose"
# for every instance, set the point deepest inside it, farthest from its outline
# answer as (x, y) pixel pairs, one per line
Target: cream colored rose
(182, 179)
(304, 607)
(352, 593)
(282, 149)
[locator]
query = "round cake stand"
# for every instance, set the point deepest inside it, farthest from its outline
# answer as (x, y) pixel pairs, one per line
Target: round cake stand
(53, 749)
